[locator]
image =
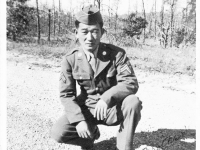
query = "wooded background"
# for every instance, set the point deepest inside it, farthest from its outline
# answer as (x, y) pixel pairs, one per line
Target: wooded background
(53, 25)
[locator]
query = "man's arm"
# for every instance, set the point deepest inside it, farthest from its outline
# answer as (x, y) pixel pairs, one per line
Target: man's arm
(67, 86)
(67, 89)
(126, 82)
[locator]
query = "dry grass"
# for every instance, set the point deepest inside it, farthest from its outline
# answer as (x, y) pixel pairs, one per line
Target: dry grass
(170, 61)
(43, 51)
(148, 58)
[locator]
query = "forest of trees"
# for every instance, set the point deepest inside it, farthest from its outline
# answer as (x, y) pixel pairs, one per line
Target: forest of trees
(41, 23)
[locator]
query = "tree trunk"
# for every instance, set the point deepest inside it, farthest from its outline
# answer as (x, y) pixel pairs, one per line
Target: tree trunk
(136, 8)
(59, 18)
(151, 20)
(155, 22)
(116, 15)
(162, 15)
(172, 22)
(13, 36)
(186, 15)
(150, 26)
(99, 4)
(70, 16)
(49, 34)
(38, 23)
(145, 19)
(54, 23)
(109, 15)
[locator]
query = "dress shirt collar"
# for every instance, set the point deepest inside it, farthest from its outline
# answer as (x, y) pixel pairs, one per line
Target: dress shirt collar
(88, 54)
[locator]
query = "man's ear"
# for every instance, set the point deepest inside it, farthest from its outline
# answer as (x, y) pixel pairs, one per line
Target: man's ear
(75, 32)
(103, 31)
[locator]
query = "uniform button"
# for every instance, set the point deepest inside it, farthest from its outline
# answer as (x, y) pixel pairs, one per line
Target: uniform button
(79, 54)
(96, 88)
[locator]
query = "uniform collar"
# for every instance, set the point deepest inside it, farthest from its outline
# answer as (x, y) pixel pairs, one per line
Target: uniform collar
(88, 54)
(102, 56)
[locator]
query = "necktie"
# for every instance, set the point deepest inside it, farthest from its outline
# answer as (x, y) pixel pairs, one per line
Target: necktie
(93, 62)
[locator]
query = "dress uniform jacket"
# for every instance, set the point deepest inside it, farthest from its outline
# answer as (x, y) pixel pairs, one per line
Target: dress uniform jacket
(113, 80)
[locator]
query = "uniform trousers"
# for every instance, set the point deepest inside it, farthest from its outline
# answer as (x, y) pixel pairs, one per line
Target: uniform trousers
(126, 114)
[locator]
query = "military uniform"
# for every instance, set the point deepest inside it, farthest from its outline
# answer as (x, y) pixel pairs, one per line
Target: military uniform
(113, 81)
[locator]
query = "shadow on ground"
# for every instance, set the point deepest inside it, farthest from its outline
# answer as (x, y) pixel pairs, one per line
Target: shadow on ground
(165, 139)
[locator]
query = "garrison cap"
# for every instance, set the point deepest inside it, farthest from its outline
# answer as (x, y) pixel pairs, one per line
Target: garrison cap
(89, 15)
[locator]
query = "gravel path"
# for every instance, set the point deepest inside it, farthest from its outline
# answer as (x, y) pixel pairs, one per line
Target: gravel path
(34, 106)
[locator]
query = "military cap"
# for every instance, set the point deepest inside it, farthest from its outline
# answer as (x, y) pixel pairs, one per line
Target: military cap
(89, 15)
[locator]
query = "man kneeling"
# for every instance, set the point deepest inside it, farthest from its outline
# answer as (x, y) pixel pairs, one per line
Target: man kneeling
(107, 84)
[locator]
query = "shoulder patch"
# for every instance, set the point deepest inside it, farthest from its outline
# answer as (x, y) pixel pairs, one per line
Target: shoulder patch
(126, 68)
(63, 78)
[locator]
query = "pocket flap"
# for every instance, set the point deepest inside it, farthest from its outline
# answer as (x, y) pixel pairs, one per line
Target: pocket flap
(81, 76)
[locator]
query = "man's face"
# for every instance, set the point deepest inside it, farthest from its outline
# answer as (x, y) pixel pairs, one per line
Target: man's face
(89, 36)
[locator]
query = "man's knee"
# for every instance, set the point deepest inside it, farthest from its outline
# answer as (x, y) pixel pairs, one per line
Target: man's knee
(132, 102)
(62, 132)
(54, 134)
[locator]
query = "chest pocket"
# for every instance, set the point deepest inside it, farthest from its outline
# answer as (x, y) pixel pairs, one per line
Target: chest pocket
(83, 79)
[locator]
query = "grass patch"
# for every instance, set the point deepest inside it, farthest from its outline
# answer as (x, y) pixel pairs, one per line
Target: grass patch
(170, 61)
(44, 51)
(149, 58)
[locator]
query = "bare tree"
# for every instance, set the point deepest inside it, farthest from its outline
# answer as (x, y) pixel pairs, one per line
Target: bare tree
(144, 18)
(54, 22)
(70, 16)
(109, 15)
(172, 5)
(59, 17)
(116, 3)
(49, 33)
(155, 22)
(99, 3)
(162, 14)
(38, 23)
(151, 19)
(136, 8)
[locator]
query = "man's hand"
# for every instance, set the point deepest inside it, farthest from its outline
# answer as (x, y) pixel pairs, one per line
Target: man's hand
(100, 111)
(84, 130)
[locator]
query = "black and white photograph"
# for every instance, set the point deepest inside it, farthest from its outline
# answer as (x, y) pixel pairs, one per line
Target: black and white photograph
(100, 75)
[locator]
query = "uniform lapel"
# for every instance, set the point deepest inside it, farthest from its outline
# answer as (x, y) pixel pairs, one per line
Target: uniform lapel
(82, 63)
(102, 59)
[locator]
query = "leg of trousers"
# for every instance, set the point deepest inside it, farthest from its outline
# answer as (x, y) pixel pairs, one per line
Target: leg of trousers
(131, 107)
(127, 114)
(64, 132)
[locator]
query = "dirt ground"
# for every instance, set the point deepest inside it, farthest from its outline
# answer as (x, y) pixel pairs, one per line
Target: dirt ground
(33, 105)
